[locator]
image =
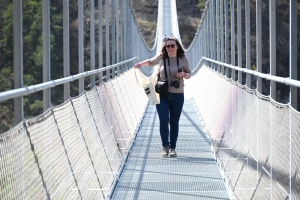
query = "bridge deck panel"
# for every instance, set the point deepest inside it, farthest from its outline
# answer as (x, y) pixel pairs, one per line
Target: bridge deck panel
(193, 174)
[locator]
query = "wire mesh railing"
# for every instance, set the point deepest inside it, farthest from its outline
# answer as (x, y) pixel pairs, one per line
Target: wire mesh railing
(255, 137)
(73, 150)
(238, 94)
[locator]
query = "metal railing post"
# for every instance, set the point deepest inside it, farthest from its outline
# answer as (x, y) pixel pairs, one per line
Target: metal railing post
(80, 44)
(66, 46)
(248, 47)
(212, 39)
(232, 2)
(222, 33)
(239, 39)
(124, 35)
(272, 19)
(122, 43)
(92, 41)
(18, 58)
(118, 33)
(293, 51)
(100, 40)
(46, 52)
(107, 51)
(218, 32)
(226, 36)
(125, 32)
(204, 37)
(113, 36)
(258, 44)
(213, 7)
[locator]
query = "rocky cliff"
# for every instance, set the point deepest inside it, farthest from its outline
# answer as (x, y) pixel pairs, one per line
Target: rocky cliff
(188, 19)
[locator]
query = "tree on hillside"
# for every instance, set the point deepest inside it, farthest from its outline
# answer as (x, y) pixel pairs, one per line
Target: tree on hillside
(32, 56)
(6, 65)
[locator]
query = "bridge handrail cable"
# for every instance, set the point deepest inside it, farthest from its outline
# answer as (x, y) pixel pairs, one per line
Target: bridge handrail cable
(49, 84)
(278, 79)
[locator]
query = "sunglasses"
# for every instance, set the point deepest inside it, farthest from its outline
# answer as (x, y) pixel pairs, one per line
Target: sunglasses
(172, 46)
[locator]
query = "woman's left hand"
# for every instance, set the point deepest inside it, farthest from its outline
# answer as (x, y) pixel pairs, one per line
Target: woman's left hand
(180, 74)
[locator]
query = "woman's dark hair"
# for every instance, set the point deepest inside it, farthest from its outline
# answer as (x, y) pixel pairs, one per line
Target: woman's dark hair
(180, 51)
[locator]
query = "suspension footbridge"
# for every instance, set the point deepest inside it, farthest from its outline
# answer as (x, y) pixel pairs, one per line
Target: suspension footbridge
(234, 142)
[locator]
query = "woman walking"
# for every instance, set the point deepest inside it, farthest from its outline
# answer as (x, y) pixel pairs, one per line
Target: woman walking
(174, 61)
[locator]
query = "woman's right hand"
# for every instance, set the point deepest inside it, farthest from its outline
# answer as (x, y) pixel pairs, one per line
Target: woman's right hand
(137, 65)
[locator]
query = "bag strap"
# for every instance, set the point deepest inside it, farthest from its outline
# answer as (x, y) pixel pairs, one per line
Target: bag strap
(139, 77)
(164, 70)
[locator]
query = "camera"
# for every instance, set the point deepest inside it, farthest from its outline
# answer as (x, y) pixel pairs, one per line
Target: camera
(175, 84)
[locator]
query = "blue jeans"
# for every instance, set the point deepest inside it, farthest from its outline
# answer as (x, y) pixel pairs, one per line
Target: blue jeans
(169, 111)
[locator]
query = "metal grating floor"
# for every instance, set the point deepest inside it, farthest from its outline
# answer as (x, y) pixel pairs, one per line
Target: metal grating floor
(194, 174)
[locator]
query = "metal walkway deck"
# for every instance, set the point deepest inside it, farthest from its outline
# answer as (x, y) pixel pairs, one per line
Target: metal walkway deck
(194, 174)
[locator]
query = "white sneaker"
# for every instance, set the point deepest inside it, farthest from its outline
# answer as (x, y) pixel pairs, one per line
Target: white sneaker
(165, 152)
(173, 152)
